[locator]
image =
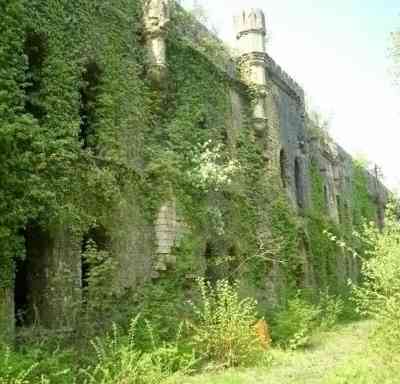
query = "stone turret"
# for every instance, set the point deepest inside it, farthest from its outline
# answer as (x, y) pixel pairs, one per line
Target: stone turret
(157, 18)
(250, 31)
(250, 34)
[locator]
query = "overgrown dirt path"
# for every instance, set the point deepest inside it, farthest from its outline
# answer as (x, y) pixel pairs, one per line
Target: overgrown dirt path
(329, 352)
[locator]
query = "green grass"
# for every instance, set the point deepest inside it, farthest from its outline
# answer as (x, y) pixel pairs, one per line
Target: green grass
(342, 356)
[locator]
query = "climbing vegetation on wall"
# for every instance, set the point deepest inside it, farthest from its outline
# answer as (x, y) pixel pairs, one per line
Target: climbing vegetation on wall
(74, 113)
(324, 252)
(363, 206)
(83, 131)
(330, 259)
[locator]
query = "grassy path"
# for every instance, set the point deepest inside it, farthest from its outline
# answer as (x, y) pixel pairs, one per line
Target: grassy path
(337, 357)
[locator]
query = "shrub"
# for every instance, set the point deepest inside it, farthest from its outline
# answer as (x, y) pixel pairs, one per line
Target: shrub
(98, 293)
(292, 325)
(163, 305)
(223, 325)
(379, 294)
(36, 364)
(120, 361)
(14, 371)
(330, 309)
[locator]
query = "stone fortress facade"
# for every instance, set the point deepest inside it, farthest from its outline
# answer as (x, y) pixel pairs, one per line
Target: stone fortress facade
(145, 250)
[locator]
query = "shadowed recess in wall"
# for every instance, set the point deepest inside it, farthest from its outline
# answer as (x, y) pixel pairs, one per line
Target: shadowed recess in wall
(95, 239)
(299, 182)
(89, 93)
(30, 275)
(283, 167)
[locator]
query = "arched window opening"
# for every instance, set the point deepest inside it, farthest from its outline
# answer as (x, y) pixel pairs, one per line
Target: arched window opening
(298, 177)
(89, 93)
(97, 240)
(283, 167)
(36, 52)
(30, 279)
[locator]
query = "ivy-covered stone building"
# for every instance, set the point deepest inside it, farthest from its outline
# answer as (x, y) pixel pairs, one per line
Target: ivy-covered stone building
(135, 144)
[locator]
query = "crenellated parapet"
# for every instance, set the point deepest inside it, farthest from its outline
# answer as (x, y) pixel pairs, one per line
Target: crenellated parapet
(282, 76)
(156, 20)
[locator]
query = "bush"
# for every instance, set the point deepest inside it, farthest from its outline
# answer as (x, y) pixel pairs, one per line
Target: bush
(12, 370)
(379, 294)
(293, 324)
(223, 326)
(120, 361)
(36, 364)
(330, 309)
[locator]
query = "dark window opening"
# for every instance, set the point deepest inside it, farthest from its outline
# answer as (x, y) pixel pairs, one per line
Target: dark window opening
(298, 178)
(89, 93)
(283, 167)
(21, 290)
(98, 238)
(36, 52)
(339, 208)
(225, 136)
(30, 276)
(203, 124)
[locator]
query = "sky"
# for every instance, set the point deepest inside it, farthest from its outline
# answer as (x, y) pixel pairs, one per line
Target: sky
(339, 52)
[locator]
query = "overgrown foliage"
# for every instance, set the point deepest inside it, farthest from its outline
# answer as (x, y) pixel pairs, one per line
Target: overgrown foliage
(379, 294)
(293, 324)
(120, 360)
(362, 206)
(49, 51)
(223, 326)
(99, 144)
(219, 331)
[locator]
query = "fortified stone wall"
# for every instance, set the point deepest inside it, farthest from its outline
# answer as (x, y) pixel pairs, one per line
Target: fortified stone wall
(259, 117)
(280, 123)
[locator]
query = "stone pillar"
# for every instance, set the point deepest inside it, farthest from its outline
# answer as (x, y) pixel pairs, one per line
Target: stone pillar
(54, 267)
(156, 20)
(166, 235)
(250, 35)
(63, 280)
